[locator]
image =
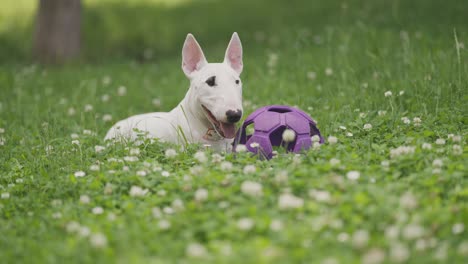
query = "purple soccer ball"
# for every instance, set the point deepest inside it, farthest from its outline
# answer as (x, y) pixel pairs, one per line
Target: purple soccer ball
(269, 124)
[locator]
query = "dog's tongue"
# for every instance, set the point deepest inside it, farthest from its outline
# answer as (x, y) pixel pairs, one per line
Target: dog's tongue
(229, 130)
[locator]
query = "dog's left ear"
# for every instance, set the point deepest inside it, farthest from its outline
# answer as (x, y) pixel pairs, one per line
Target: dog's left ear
(233, 55)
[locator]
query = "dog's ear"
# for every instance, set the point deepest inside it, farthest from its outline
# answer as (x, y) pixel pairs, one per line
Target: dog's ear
(193, 58)
(233, 55)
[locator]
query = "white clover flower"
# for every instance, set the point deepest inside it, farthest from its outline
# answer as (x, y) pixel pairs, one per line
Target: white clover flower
(440, 141)
(125, 168)
(399, 253)
(249, 169)
(402, 150)
(161, 193)
(196, 250)
(136, 191)
(57, 215)
(74, 136)
(97, 210)
(342, 127)
(156, 102)
(392, 232)
(254, 145)
(165, 174)
(2, 130)
(141, 173)
(457, 138)
(401, 93)
(315, 138)
(106, 117)
(334, 161)
(2, 141)
(84, 231)
(458, 228)
(251, 188)
(94, 167)
(332, 140)
(320, 196)
(164, 224)
(71, 111)
(417, 121)
(178, 204)
(413, 231)
(75, 142)
(360, 238)
(349, 134)
(200, 156)
(106, 80)
(99, 149)
(426, 146)
(316, 145)
(5, 195)
(388, 93)
(367, 127)
(98, 240)
(245, 224)
(156, 212)
(122, 90)
(84, 199)
(362, 115)
(406, 120)
(289, 201)
(226, 166)
(134, 151)
(170, 153)
(19, 180)
(105, 97)
(130, 158)
(88, 108)
(353, 175)
(437, 163)
(281, 177)
(241, 148)
(311, 75)
(201, 195)
(289, 135)
(373, 256)
(381, 112)
(168, 210)
(216, 158)
(457, 150)
(463, 248)
(328, 71)
(72, 227)
(342, 237)
(79, 174)
(408, 201)
(87, 132)
(276, 225)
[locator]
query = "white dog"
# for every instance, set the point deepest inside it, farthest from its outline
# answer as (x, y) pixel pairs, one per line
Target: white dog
(210, 109)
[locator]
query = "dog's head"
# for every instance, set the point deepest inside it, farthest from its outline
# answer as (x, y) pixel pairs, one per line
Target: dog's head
(217, 87)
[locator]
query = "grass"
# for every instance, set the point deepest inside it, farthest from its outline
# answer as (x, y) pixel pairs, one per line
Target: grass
(403, 208)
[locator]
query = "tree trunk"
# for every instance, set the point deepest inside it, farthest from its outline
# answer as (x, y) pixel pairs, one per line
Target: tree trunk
(57, 36)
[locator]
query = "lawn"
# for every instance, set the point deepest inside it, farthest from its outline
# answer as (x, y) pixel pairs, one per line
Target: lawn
(386, 81)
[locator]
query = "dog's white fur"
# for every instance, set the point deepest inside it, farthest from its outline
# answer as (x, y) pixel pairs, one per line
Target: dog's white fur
(189, 121)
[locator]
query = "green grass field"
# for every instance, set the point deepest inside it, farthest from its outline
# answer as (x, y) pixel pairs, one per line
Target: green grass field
(392, 192)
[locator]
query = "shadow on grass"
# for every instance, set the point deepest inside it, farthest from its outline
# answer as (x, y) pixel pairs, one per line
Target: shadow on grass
(114, 31)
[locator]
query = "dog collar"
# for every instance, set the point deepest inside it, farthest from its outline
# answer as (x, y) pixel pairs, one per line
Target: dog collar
(212, 135)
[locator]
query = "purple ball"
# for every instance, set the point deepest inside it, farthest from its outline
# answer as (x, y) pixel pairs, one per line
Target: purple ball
(269, 124)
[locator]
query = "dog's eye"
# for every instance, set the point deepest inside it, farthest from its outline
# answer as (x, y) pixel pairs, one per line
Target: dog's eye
(237, 81)
(211, 81)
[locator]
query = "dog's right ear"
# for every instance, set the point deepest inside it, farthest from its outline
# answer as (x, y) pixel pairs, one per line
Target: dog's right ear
(193, 58)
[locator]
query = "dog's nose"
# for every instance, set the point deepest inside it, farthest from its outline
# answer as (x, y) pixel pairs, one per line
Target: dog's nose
(233, 116)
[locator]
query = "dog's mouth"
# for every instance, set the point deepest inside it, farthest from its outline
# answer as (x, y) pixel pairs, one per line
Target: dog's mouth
(226, 130)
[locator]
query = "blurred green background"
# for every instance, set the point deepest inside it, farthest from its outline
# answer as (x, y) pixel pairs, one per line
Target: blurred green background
(149, 30)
